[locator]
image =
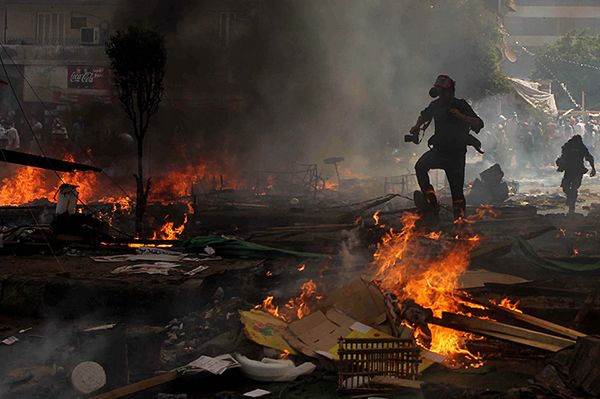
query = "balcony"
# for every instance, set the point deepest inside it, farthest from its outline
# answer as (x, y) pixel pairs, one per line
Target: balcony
(26, 51)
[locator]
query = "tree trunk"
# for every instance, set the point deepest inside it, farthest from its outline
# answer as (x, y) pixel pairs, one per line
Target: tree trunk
(141, 191)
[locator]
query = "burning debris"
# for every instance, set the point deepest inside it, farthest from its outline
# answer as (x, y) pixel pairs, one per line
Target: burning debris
(294, 308)
(411, 270)
(221, 187)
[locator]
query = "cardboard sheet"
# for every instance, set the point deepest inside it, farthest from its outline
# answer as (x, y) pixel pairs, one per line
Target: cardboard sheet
(318, 333)
(358, 299)
(477, 278)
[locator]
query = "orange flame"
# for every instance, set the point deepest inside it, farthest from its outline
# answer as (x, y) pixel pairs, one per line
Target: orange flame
(295, 308)
(330, 185)
(300, 305)
(376, 218)
(29, 184)
(506, 303)
(169, 232)
(434, 235)
(348, 173)
(405, 269)
(267, 306)
(301, 267)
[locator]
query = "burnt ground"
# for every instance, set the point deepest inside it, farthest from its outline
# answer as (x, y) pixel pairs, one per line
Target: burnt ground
(60, 296)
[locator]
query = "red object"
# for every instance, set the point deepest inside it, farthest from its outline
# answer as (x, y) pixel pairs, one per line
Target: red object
(88, 77)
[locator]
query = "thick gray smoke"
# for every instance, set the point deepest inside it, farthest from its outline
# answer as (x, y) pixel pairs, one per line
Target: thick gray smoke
(309, 78)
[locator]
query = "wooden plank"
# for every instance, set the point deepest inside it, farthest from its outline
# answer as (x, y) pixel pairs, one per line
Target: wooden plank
(532, 320)
(524, 341)
(545, 324)
(503, 331)
(139, 386)
(494, 326)
(397, 382)
(527, 289)
(314, 227)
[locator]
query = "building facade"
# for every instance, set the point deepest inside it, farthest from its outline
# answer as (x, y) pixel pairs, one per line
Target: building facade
(54, 50)
(538, 22)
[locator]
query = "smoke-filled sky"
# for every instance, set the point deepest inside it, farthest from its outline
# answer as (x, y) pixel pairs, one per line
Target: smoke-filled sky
(319, 78)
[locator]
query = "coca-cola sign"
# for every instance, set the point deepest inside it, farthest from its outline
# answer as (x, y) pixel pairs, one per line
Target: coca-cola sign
(88, 77)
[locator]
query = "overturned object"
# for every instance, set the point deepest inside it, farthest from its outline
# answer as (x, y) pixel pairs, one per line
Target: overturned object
(574, 371)
(490, 188)
(273, 369)
(88, 377)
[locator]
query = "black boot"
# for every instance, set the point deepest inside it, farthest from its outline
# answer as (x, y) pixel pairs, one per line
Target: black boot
(427, 206)
(571, 200)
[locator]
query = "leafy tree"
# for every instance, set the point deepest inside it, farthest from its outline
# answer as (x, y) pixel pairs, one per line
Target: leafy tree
(562, 61)
(138, 59)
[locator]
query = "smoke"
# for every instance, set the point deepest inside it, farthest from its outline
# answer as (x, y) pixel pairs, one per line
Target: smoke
(268, 83)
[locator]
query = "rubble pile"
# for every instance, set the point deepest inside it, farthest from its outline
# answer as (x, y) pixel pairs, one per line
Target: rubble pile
(254, 296)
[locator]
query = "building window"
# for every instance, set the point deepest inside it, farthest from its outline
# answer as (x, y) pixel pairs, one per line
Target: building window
(226, 21)
(78, 22)
(50, 28)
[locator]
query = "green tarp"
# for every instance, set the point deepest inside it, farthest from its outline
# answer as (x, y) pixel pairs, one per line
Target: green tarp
(236, 248)
(560, 266)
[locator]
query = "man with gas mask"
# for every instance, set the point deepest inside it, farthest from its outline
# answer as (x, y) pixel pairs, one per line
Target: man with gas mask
(454, 118)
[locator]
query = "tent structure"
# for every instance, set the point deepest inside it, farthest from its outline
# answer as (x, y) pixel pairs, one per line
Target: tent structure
(530, 93)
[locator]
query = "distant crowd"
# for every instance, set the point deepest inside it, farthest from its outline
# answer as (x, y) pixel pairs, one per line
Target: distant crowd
(17, 134)
(528, 144)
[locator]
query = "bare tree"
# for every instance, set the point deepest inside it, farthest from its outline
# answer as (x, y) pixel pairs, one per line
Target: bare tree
(138, 59)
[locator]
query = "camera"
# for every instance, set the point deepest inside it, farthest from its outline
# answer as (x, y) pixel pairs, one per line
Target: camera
(411, 138)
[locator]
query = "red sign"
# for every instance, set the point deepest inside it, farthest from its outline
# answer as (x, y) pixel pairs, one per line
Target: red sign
(88, 77)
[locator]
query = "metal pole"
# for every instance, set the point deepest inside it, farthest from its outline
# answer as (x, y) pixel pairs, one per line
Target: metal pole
(5, 22)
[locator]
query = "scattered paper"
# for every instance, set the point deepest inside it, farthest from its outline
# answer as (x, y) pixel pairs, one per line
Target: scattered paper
(139, 257)
(148, 268)
(101, 327)
(434, 357)
(9, 340)
(216, 365)
(155, 250)
(209, 250)
(257, 393)
(195, 271)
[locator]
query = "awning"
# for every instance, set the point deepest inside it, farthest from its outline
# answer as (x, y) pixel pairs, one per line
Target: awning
(37, 161)
(531, 94)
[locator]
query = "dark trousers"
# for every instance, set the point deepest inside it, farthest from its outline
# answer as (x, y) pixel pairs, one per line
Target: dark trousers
(454, 166)
(570, 184)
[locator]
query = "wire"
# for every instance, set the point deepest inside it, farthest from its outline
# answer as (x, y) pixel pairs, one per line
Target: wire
(555, 59)
(42, 151)
(86, 154)
(26, 118)
(561, 84)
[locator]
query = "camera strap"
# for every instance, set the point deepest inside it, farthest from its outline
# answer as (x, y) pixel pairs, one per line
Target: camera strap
(422, 131)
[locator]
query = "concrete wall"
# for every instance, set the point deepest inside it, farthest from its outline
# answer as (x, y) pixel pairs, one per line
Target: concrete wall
(543, 21)
(52, 23)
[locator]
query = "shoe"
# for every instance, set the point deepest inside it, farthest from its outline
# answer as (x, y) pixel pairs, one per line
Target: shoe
(419, 199)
